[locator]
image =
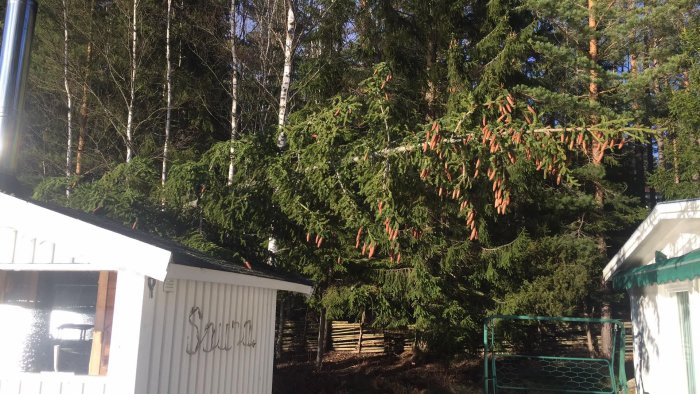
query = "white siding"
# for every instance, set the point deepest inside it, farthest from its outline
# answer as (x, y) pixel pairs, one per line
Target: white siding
(658, 361)
(52, 384)
(130, 304)
(681, 244)
(36, 238)
(242, 369)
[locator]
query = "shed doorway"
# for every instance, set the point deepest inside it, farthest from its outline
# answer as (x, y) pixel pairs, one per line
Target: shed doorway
(56, 321)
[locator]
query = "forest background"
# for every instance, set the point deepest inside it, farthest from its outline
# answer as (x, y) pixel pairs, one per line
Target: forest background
(424, 162)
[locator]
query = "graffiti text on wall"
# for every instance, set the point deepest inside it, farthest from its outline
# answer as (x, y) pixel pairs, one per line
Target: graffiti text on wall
(210, 336)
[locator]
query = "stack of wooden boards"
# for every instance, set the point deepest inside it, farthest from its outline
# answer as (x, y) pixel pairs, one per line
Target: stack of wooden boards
(353, 337)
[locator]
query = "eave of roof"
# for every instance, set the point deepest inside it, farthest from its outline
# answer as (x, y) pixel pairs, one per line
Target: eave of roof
(664, 270)
(663, 222)
(180, 254)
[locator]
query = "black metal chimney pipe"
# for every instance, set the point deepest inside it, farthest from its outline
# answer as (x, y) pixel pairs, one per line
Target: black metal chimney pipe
(14, 65)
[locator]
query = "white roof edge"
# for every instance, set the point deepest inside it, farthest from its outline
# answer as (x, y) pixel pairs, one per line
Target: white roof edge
(106, 250)
(177, 271)
(672, 210)
(96, 248)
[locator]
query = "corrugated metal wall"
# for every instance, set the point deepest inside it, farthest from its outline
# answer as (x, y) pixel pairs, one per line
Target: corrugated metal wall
(249, 313)
(56, 384)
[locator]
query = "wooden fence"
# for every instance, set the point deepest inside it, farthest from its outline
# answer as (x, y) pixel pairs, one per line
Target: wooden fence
(300, 337)
(352, 337)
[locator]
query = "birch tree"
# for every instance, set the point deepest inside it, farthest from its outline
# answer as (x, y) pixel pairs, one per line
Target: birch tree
(286, 75)
(288, 47)
(69, 101)
(235, 67)
(132, 81)
(168, 94)
(84, 111)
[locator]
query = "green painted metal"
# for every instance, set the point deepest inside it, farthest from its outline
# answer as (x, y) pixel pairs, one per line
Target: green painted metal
(509, 371)
(664, 270)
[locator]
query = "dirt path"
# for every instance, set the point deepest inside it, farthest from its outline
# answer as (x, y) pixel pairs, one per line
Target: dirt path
(353, 373)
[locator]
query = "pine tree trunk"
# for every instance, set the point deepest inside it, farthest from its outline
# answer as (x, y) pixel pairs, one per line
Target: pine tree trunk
(168, 95)
(132, 86)
(590, 337)
(597, 146)
(431, 91)
(234, 89)
(82, 123)
(676, 172)
(69, 101)
(597, 152)
(660, 149)
(650, 166)
(286, 76)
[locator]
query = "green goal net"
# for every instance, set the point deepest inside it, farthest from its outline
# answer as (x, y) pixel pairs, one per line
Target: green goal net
(539, 354)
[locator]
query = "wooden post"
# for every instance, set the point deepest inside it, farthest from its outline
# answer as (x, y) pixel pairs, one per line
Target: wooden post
(100, 307)
(3, 275)
(99, 354)
(359, 337)
(304, 340)
(321, 338)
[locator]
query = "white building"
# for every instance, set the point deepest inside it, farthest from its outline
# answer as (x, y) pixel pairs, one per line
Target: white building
(659, 266)
(88, 306)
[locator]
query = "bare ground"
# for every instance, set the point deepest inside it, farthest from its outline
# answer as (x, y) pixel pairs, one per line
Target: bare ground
(344, 372)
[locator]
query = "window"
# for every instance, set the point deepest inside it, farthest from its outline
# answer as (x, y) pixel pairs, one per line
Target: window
(56, 321)
(684, 322)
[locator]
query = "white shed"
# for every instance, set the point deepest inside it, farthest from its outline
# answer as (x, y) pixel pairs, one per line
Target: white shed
(659, 266)
(88, 306)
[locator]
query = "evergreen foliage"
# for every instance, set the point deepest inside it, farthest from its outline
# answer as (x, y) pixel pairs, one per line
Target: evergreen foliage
(440, 162)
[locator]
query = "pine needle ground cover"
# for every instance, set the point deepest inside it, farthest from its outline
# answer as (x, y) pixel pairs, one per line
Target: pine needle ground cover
(353, 373)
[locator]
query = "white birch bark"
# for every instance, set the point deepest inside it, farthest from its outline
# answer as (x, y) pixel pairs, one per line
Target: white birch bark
(132, 87)
(179, 50)
(286, 77)
(272, 246)
(82, 123)
(234, 88)
(169, 95)
(69, 101)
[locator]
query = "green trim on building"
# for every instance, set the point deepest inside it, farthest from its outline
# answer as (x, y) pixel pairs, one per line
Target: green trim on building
(665, 270)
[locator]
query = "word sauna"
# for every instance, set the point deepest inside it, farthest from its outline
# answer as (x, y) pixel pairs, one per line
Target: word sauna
(211, 336)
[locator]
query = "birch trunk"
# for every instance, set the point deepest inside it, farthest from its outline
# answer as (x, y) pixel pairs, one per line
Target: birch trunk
(168, 95)
(82, 125)
(234, 88)
(284, 91)
(132, 87)
(179, 44)
(69, 101)
(286, 77)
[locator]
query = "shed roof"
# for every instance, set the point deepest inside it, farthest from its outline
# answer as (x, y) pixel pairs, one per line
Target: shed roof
(113, 244)
(664, 225)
